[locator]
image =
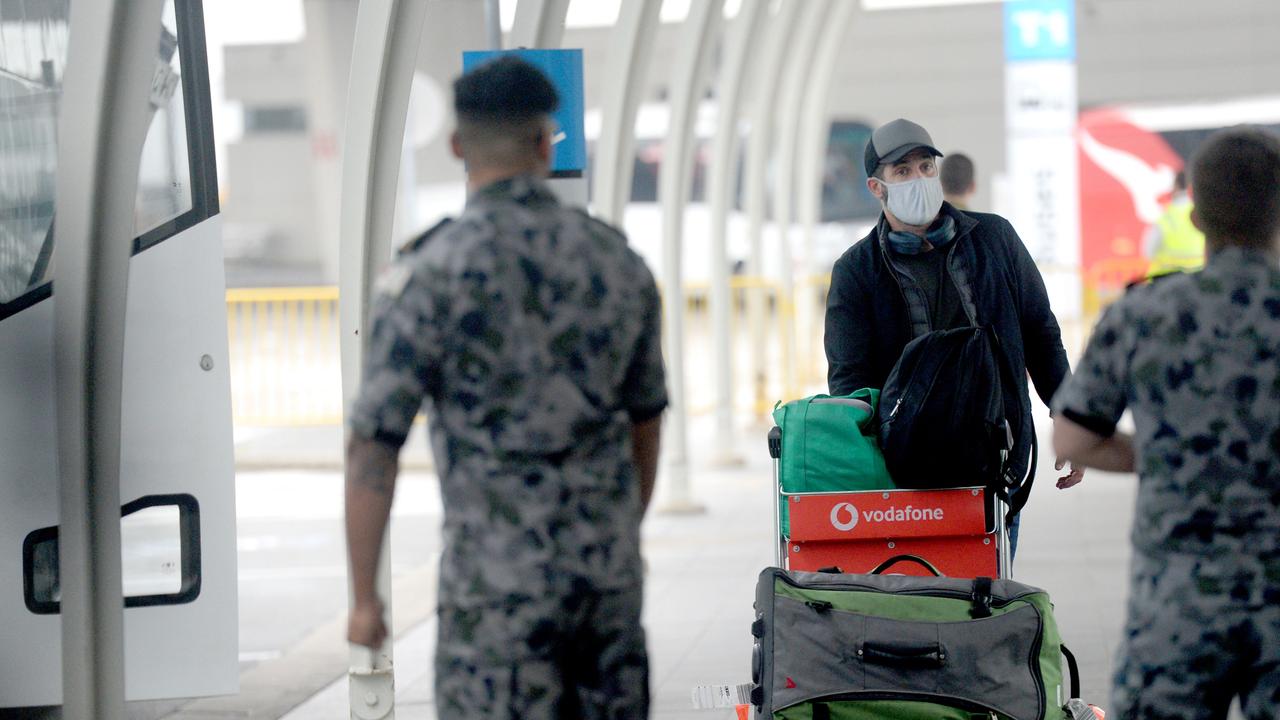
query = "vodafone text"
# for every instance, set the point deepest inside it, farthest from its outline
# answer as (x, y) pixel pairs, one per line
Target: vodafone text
(844, 516)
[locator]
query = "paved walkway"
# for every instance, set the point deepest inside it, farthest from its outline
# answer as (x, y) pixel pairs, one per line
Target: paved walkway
(703, 568)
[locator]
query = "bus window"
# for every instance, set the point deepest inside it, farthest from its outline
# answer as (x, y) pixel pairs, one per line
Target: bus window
(33, 51)
(164, 177)
(177, 183)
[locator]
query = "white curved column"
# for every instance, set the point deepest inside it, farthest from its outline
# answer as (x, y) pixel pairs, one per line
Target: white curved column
(768, 74)
(102, 126)
(382, 63)
(539, 23)
(628, 69)
(740, 40)
(814, 132)
(688, 78)
(799, 66)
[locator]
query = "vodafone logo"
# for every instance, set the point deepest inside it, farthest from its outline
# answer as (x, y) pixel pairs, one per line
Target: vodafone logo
(845, 516)
(844, 525)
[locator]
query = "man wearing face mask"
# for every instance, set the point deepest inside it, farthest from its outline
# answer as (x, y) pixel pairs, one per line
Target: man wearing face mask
(929, 266)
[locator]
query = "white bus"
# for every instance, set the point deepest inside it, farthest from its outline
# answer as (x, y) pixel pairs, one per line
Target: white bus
(176, 475)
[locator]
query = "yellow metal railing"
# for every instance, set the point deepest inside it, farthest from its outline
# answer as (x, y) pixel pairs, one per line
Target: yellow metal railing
(285, 367)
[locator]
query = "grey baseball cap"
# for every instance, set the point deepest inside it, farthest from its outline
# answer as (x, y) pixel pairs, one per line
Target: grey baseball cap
(893, 140)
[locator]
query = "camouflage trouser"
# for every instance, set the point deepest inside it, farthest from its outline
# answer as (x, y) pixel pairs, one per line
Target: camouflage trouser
(580, 657)
(1199, 633)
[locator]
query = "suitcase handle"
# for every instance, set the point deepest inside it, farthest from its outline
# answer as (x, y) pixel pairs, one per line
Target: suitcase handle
(919, 655)
(879, 569)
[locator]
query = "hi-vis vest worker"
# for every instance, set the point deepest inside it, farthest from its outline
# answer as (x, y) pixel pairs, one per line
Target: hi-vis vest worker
(1174, 243)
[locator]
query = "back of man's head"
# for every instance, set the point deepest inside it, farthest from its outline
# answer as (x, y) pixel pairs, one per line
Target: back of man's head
(503, 109)
(1236, 174)
(957, 174)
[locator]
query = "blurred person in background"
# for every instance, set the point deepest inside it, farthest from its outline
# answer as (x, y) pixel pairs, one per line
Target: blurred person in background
(1174, 243)
(531, 332)
(1196, 358)
(958, 180)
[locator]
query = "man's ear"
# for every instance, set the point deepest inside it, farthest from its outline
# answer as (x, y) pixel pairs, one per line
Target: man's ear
(455, 145)
(871, 187)
(543, 142)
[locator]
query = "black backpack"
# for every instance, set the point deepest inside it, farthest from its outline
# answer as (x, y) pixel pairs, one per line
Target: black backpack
(944, 421)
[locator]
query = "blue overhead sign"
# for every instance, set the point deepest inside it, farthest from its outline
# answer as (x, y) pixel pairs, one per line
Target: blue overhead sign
(564, 68)
(1039, 30)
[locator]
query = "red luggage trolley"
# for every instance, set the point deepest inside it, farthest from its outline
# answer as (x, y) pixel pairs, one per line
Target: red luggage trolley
(960, 531)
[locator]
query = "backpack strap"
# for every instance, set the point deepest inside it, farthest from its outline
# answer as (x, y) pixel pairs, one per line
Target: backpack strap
(1073, 668)
(1014, 491)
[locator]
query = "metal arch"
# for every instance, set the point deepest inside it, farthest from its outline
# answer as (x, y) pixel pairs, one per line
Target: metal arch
(539, 23)
(769, 71)
(689, 73)
(799, 65)
(740, 39)
(629, 67)
(383, 56)
(811, 148)
(102, 126)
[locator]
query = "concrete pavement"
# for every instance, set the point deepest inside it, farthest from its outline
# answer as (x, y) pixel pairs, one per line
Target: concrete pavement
(700, 586)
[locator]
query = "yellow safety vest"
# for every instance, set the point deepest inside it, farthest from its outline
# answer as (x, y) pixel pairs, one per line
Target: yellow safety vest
(1181, 245)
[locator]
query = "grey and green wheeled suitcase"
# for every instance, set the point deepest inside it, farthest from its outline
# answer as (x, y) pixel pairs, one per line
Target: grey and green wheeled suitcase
(867, 647)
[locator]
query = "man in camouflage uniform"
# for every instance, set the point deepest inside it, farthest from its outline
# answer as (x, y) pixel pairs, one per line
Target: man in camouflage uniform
(1196, 358)
(532, 333)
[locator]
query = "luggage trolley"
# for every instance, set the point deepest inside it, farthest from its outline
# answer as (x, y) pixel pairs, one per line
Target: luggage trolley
(960, 531)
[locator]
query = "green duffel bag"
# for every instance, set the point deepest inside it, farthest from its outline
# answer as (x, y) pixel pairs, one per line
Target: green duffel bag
(881, 647)
(829, 445)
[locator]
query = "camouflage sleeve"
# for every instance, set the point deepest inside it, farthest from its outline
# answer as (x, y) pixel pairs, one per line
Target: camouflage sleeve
(1095, 395)
(644, 389)
(400, 358)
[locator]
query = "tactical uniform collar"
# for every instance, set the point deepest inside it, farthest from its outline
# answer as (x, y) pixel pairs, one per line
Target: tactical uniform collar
(1237, 255)
(524, 189)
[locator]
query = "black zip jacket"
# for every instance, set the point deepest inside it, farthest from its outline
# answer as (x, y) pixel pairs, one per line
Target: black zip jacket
(874, 309)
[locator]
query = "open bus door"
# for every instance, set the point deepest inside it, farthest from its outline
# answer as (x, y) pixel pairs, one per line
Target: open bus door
(177, 475)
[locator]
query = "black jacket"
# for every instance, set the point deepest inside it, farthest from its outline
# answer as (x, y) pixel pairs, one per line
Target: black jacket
(873, 311)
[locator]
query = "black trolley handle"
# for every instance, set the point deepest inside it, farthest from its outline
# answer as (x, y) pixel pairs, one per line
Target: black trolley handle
(879, 569)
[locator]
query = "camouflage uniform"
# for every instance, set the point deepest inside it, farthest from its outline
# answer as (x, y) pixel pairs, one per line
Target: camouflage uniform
(1196, 358)
(533, 330)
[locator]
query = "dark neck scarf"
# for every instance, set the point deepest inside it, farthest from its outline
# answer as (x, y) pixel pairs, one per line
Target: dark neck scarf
(905, 243)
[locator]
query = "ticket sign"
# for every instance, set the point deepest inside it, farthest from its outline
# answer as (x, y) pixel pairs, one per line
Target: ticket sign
(564, 68)
(1039, 30)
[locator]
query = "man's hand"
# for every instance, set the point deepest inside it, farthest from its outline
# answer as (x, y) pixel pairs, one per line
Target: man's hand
(365, 625)
(1072, 478)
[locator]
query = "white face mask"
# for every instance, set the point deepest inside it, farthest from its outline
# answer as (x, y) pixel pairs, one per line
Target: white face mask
(914, 202)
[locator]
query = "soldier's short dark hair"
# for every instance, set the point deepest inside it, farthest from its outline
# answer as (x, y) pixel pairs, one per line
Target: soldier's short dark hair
(506, 89)
(1236, 176)
(957, 174)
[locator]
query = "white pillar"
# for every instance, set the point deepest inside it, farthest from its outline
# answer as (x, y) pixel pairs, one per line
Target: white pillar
(798, 76)
(382, 65)
(632, 43)
(492, 24)
(102, 126)
(740, 41)
(539, 23)
(768, 73)
(814, 132)
(327, 49)
(688, 79)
